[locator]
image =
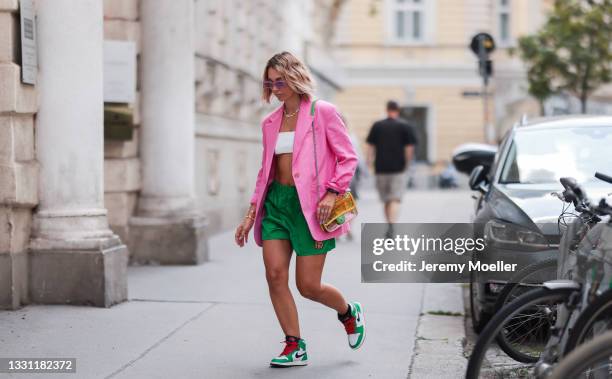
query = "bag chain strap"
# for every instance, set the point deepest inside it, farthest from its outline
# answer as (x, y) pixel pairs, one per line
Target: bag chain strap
(314, 143)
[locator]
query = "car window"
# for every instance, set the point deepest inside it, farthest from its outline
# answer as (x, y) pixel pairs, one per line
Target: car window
(544, 155)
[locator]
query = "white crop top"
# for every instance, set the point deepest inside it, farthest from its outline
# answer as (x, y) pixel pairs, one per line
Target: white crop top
(284, 143)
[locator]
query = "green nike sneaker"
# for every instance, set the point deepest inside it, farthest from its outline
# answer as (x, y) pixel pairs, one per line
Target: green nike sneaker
(294, 354)
(355, 326)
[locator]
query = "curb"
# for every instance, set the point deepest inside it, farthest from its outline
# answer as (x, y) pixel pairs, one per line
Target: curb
(440, 336)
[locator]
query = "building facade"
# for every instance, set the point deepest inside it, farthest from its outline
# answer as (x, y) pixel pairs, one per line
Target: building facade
(417, 52)
(77, 203)
(18, 164)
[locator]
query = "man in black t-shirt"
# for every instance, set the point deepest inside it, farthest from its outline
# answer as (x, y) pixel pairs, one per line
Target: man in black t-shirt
(391, 146)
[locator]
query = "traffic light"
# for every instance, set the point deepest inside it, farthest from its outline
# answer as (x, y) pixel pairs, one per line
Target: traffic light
(482, 45)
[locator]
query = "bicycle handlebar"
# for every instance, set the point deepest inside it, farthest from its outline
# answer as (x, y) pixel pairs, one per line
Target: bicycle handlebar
(603, 208)
(575, 194)
(572, 192)
(603, 177)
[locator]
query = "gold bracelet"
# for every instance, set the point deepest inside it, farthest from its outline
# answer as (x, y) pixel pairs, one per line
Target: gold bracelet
(250, 217)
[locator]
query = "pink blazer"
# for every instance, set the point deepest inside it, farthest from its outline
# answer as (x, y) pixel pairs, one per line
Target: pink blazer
(336, 158)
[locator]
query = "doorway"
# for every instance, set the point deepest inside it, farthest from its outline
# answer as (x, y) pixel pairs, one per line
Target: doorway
(417, 118)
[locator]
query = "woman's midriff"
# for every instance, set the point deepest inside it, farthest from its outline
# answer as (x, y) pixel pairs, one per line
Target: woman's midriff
(283, 169)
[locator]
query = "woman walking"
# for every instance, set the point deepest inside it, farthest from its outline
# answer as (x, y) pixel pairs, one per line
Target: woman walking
(286, 209)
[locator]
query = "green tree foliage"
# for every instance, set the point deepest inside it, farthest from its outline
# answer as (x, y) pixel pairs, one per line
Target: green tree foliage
(571, 52)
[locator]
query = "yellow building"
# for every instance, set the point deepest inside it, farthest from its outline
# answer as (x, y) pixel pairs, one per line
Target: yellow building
(416, 52)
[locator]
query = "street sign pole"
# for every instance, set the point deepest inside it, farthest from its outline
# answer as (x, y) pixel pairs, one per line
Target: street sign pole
(482, 57)
(485, 106)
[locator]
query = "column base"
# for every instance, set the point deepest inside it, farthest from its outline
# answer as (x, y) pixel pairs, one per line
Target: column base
(88, 273)
(13, 280)
(168, 241)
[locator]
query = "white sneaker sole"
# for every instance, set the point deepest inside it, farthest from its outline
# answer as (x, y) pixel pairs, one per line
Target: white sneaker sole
(289, 364)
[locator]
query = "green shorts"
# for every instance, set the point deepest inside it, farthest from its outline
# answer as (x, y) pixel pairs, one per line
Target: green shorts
(284, 220)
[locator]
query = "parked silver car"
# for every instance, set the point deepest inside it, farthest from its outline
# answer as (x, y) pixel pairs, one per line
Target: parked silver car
(515, 212)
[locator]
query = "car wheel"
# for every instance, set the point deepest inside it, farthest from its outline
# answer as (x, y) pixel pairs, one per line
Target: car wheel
(479, 316)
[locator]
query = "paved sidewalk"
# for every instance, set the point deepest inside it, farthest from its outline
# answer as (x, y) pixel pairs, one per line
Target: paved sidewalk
(216, 320)
(439, 347)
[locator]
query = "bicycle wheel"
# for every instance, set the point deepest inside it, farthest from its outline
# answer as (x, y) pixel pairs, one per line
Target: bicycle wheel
(593, 320)
(527, 320)
(591, 360)
(529, 278)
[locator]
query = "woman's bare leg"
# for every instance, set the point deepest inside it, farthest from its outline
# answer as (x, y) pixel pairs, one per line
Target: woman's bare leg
(308, 279)
(277, 256)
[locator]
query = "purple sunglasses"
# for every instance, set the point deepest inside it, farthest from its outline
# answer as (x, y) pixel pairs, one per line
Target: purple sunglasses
(279, 84)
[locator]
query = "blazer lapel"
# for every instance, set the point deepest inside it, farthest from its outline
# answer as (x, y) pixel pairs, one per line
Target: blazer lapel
(271, 131)
(302, 129)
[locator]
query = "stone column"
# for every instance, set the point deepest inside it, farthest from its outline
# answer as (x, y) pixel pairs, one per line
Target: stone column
(167, 228)
(74, 257)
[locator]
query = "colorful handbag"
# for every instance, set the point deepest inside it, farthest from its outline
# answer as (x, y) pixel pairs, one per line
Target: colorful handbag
(345, 208)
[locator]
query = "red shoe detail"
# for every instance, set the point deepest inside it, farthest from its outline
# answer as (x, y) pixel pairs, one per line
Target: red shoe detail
(349, 325)
(290, 347)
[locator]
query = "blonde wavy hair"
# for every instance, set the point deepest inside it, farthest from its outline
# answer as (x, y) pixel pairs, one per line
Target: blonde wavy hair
(293, 71)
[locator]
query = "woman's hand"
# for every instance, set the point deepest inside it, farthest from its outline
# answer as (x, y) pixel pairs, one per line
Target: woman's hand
(325, 206)
(242, 231)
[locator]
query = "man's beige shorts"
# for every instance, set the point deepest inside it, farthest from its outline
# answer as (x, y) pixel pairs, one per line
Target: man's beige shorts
(391, 186)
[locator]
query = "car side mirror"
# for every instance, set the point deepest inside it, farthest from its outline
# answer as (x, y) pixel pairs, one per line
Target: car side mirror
(478, 177)
(467, 156)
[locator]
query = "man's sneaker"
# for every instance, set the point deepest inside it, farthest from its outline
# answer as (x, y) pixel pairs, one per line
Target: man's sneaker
(355, 326)
(294, 354)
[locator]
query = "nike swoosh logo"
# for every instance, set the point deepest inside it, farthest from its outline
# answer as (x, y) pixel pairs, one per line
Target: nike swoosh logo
(298, 355)
(358, 320)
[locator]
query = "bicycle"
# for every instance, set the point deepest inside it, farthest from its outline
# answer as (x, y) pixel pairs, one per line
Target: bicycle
(591, 360)
(538, 308)
(510, 340)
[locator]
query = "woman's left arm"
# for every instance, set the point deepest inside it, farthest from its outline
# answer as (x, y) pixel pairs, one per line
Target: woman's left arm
(340, 143)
